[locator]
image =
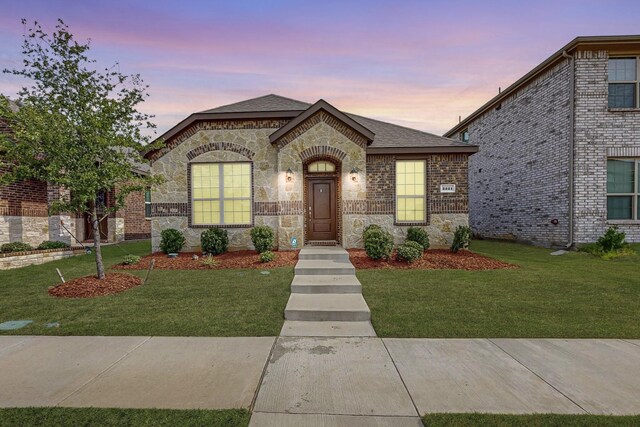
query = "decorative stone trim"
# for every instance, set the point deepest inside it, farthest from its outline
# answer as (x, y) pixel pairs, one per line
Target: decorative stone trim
(29, 212)
(215, 125)
(290, 207)
(220, 146)
(169, 209)
(23, 259)
(322, 152)
(449, 205)
(623, 152)
(265, 208)
(353, 207)
(322, 116)
(381, 207)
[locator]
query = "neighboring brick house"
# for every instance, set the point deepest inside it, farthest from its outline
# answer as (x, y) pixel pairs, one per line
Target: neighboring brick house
(24, 214)
(559, 158)
(312, 173)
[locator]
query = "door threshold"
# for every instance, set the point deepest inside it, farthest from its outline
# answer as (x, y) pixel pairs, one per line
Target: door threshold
(322, 243)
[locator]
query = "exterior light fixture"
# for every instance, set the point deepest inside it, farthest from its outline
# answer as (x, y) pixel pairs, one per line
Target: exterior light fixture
(289, 175)
(354, 174)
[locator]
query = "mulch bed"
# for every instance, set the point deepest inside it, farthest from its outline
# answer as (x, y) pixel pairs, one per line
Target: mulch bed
(91, 286)
(232, 259)
(433, 259)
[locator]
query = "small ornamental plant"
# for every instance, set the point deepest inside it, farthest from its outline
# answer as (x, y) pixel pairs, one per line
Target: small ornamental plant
(612, 240)
(214, 241)
(130, 259)
(210, 261)
(15, 247)
(52, 244)
(461, 238)
(171, 241)
(418, 235)
(409, 252)
(262, 238)
(378, 243)
(267, 256)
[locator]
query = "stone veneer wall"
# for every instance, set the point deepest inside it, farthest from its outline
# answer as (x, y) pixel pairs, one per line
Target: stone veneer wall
(519, 178)
(23, 259)
(599, 133)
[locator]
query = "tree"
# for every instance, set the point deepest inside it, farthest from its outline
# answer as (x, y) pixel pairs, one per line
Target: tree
(77, 127)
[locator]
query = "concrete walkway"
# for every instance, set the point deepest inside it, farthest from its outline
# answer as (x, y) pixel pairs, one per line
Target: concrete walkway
(324, 381)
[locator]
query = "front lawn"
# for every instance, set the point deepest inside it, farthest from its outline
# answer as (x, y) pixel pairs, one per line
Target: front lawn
(172, 303)
(534, 420)
(72, 417)
(576, 295)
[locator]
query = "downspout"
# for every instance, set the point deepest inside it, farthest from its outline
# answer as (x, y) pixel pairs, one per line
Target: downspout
(572, 83)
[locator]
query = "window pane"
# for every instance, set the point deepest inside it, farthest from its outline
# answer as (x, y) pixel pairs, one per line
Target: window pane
(619, 207)
(622, 95)
(620, 176)
(622, 69)
(147, 196)
(410, 181)
(147, 210)
(321, 166)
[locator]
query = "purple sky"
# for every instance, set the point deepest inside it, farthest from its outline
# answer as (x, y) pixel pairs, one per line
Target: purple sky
(415, 63)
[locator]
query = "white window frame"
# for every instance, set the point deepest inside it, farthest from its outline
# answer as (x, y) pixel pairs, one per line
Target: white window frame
(636, 82)
(635, 195)
(464, 132)
(221, 197)
(424, 196)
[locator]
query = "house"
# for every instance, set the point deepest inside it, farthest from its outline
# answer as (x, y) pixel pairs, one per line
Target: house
(314, 174)
(24, 215)
(559, 158)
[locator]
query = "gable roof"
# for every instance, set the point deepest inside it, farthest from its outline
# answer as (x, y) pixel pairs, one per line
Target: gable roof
(623, 43)
(386, 138)
(322, 105)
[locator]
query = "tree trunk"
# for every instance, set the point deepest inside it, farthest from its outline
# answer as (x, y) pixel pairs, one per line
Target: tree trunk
(95, 224)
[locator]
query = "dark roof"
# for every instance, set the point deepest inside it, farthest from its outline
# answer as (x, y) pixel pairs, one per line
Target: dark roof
(623, 43)
(387, 137)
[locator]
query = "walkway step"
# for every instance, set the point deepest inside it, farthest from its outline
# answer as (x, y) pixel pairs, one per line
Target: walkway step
(324, 267)
(322, 307)
(296, 328)
(335, 253)
(327, 284)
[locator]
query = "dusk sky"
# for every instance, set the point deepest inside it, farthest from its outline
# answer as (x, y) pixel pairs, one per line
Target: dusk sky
(415, 63)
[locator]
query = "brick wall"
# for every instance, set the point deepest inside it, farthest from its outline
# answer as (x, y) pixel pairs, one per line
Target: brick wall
(25, 198)
(519, 178)
(599, 133)
(135, 224)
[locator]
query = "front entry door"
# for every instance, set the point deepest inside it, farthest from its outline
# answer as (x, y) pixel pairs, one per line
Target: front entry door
(321, 209)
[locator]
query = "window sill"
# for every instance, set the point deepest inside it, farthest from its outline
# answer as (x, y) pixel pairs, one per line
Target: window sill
(623, 110)
(410, 224)
(623, 222)
(221, 226)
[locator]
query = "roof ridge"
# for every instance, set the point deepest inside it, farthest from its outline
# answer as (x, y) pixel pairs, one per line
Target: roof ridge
(243, 101)
(287, 98)
(396, 125)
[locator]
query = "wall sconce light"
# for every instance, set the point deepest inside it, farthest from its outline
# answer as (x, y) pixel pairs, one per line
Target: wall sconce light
(354, 174)
(289, 175)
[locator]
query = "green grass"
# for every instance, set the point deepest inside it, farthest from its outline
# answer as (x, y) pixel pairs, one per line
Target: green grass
(172, 303)
(576, 295)
(537, 420)
(74, 417)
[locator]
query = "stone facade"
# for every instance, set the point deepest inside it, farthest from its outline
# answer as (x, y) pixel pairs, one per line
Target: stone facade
(23, 259)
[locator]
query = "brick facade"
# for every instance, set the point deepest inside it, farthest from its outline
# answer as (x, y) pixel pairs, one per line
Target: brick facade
(136, 226)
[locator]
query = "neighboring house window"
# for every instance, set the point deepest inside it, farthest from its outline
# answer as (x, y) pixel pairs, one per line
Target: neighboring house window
(623, 189)
(322, 166)
(464, 136)
(147, 203)
(410, 190)
(623, 83)
(221, 193)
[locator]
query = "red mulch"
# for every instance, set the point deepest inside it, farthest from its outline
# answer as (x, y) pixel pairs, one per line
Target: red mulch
(233, 259)
(433, 259)
(91, 286)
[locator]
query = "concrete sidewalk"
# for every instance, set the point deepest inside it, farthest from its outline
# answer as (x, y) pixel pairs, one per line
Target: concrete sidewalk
(327, 381)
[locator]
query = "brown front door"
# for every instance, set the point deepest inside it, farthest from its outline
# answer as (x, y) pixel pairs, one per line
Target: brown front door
(321, 209)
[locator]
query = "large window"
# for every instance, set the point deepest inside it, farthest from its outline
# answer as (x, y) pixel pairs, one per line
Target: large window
(623, 83)
(410, 191)
(221, 193)
(623, 189)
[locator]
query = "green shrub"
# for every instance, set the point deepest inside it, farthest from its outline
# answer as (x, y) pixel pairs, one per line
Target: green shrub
(130, 259)
(410, 251)
(461, 238)
(267, 256)
(52, 244)
(171, 241)
(378, 243)
(16, 247)
(370, 227)
(263, 238)
(418, 235)
(214, 241)
(210, 261)
(612, 240)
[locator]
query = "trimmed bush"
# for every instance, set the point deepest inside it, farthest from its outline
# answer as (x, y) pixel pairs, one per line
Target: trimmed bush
(267, 256)
(214, 241)
(418, 235)
(171, 241)
(15, 247)
(263, 238)
(130, 259)
(370, 227)
(410, 251)
(461, 238)
(612, 240)
(52, 244)
(378, 243)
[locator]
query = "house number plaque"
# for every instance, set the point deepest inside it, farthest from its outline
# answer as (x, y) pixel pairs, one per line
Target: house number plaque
(447, 188)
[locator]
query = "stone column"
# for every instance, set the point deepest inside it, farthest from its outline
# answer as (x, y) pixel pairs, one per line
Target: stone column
(56, 231)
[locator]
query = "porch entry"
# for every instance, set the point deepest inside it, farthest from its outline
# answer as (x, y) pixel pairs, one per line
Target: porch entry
(103, 226)
(322, 218)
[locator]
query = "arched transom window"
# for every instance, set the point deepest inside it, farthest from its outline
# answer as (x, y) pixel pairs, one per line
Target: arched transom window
(322, 166)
